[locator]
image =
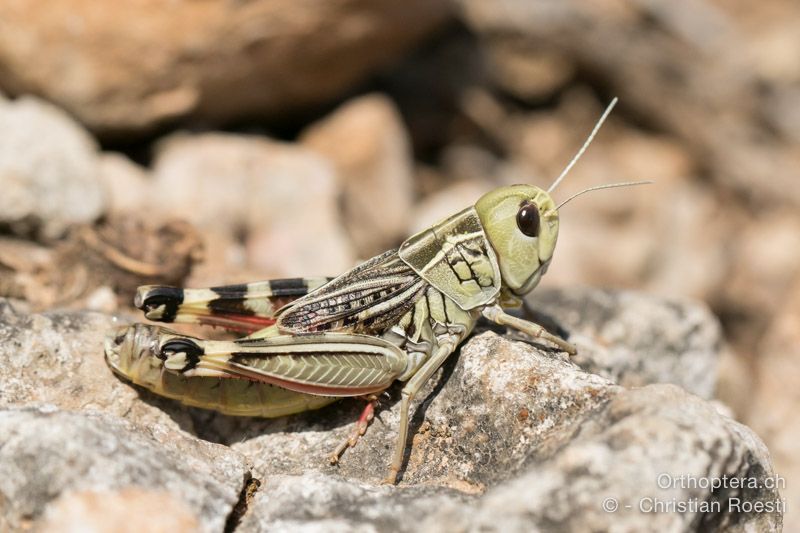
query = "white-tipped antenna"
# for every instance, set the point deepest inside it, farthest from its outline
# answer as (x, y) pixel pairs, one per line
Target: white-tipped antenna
(599, 187)
(586, 144)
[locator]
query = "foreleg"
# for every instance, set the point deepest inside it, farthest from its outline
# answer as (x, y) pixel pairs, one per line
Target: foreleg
(410, 390)
(498, 316)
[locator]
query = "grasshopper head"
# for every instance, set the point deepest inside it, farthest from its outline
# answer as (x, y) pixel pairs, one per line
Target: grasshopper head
(521, 222)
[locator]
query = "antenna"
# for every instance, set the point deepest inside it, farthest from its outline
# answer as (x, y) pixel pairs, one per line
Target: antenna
(585, 145)
(599, 187)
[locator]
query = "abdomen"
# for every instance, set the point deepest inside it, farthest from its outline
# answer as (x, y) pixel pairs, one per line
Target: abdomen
(236, 397)
(133, 359)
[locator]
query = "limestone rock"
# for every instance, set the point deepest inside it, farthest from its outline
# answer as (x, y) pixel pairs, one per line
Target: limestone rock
(613, 476)
(642, 447)
(48, 453)
(334, 504)
(52, 370)
(48, 169)
(57, 359)
(127, 184)
(489, 412)
(635, 339)
(279, 199)
(120, 71)
(369, 146)
(127, 509)
(507, 436)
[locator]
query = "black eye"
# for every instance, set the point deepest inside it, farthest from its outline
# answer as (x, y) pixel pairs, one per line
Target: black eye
(528, 219)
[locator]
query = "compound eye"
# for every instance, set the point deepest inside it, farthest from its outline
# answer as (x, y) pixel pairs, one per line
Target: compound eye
(528, 219)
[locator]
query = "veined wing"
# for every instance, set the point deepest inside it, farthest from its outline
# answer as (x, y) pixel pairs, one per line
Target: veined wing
(367, 299)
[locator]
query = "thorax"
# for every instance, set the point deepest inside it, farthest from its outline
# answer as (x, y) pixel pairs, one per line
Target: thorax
(434, 318)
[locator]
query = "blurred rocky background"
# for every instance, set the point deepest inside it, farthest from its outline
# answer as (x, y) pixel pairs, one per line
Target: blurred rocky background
(203, 143)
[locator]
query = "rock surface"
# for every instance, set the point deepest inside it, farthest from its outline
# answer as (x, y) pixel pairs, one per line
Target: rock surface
(48, 169)
(634, 339)
(335, 504)
(56, 359)
(489, 414)
(508, 435)
(128, 509)
(120, 72)
(48, 453)
(612, 475)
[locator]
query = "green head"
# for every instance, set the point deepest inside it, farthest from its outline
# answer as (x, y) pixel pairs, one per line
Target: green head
(521, 222)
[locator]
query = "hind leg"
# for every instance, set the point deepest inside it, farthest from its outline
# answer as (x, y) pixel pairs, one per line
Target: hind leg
(243, 308)
(358, 431)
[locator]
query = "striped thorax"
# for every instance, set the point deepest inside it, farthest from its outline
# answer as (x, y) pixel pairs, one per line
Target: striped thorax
(455, 257)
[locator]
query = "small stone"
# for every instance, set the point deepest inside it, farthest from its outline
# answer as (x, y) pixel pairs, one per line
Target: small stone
(280, 200)
(532, 74)
(370, 149)
(763, 263)
(127, 184)
(102, 299)
(772, 407)
(48, 169)
(57, 358)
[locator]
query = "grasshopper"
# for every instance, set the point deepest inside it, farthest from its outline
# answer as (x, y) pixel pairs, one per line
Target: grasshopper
(397, 316)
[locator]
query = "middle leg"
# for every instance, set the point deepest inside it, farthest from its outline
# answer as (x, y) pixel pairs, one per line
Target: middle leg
(498, 316)
(410, 390)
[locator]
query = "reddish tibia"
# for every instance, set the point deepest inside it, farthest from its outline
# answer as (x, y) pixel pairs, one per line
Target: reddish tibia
(238, 323)
(358, 431)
